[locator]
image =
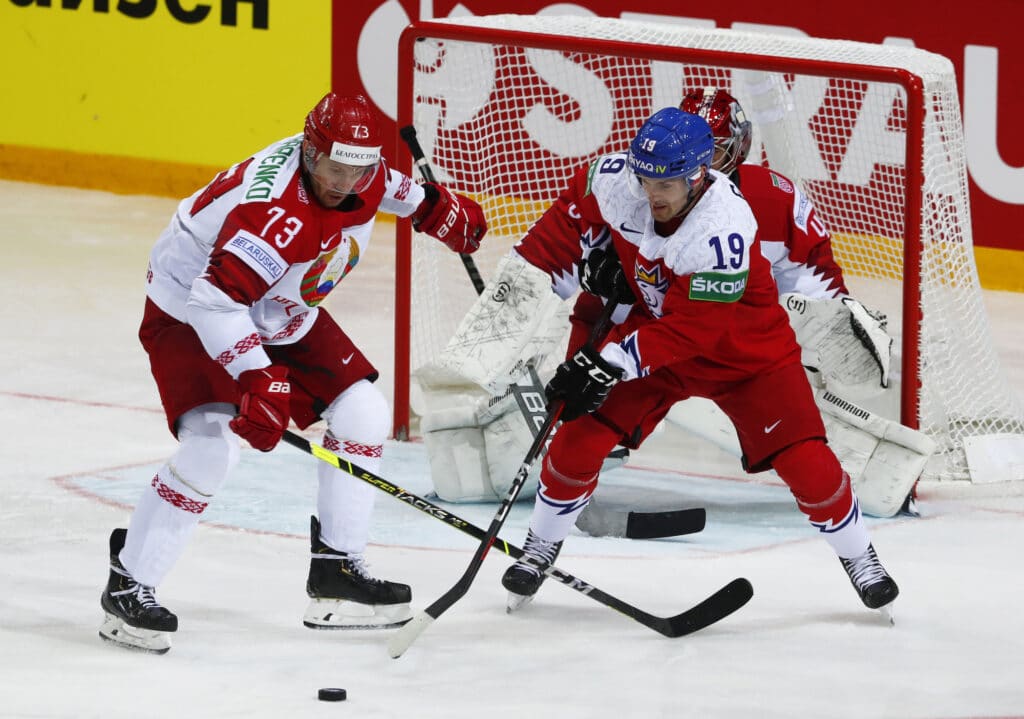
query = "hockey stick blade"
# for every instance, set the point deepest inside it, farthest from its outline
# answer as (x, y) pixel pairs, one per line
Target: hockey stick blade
(655, 525)
(718, 606)
(602, 520)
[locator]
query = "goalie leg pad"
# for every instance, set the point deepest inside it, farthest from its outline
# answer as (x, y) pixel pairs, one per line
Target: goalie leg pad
(703, 418)
(884, 458)
(458, 456)
(507, 440)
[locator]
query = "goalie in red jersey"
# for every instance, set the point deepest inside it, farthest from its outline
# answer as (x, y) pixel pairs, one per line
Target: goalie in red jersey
(239, 346)
(674, 243)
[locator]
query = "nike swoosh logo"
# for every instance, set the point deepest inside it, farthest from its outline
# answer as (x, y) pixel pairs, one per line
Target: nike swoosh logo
(325, 244)
(630, 229)
(771, 427)
(348, 359)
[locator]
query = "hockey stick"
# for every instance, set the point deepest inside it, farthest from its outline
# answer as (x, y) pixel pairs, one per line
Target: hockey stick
(408, 134)
(717, 606)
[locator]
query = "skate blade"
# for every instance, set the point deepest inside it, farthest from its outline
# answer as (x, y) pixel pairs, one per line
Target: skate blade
(887, 614)
(115, 631)
(515, 602)
(343, 614)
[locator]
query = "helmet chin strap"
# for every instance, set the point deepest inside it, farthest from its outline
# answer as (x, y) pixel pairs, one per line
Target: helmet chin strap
(695, 193)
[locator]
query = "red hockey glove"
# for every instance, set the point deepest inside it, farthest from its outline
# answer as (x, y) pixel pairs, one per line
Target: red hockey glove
(263, 416)
(583, 382)
(454, 219)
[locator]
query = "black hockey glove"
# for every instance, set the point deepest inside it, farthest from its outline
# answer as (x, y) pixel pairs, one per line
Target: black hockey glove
(582, 382)
(601, 274)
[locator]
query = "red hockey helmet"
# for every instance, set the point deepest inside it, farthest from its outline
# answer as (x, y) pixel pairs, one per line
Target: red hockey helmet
(728, 122)
(344, 129)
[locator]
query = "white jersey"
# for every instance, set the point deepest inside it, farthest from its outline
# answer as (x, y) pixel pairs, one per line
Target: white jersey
(247, 259)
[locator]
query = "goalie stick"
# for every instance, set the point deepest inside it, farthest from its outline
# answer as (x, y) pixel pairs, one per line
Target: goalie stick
(719, 605)
(408, 134)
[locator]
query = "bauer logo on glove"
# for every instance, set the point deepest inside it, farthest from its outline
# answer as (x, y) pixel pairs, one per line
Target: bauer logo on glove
(456, 220)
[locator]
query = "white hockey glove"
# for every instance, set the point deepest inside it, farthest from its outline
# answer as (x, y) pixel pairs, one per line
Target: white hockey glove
(843, 341)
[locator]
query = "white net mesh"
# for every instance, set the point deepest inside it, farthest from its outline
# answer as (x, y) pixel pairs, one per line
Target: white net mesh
(507, 118)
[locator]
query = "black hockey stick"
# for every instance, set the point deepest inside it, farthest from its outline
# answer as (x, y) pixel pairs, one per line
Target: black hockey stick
(717, 606)
(408, 134)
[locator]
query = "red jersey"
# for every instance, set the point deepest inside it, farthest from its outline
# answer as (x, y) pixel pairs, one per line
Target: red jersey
(791, 235)
(708, 306)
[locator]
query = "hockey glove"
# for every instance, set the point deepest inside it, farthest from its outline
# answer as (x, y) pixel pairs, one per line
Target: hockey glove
(264, 412)
(601, 274)
(454, 219)
(582, 382)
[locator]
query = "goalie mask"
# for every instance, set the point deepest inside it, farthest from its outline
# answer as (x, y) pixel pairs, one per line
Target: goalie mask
(728, 122)
(342, 144)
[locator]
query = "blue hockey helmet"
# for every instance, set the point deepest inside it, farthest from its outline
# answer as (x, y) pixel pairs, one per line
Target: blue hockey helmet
(672, 143)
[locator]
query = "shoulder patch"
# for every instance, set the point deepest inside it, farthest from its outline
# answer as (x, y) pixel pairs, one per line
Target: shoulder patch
(781, 182)
(717, 286)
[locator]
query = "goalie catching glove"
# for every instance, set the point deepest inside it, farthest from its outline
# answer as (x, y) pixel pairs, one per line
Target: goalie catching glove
(582, 383)
(263, 415)
(456, 220)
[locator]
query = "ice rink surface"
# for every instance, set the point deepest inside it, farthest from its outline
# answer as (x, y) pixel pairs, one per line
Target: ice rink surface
(83, 432)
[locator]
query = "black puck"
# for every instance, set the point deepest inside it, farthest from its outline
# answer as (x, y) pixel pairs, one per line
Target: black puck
(332, 694)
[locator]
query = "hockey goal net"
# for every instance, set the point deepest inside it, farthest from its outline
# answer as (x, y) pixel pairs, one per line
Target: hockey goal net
(507, 107)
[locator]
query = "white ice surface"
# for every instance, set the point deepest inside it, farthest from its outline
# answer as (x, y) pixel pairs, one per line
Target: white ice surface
(82, 432)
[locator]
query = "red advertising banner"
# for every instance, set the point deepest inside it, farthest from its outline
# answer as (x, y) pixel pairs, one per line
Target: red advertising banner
(981, 41)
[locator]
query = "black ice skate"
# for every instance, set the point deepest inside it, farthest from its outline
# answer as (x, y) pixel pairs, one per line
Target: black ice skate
(343, 594)
(134, 618)
(523, 579)
(874, 585)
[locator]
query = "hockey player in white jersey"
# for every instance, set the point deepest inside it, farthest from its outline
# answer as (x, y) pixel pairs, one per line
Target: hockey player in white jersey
(238, 347)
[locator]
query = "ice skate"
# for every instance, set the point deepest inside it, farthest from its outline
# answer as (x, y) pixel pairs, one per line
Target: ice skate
(133, 617)
(873, 584)
(343, 595)
(523, 579)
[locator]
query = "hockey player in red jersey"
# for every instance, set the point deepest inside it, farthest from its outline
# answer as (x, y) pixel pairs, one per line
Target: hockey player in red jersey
(238, 347)
(656, 223)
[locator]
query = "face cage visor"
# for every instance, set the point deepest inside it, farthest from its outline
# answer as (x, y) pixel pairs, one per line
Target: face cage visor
(637, 187)
(352, 157)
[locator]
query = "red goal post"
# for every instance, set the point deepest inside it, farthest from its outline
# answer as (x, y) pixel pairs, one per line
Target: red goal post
(507, 106)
